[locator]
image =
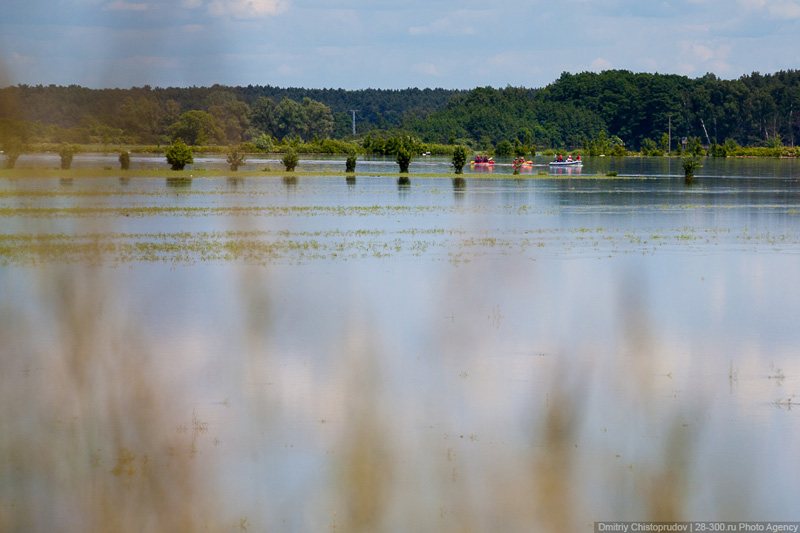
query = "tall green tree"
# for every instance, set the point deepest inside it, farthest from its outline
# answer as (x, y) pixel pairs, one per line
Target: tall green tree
(318, 119)
(197, 128)
(231, 114)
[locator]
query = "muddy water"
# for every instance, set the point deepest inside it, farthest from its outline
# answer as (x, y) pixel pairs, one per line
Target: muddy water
(313, 354)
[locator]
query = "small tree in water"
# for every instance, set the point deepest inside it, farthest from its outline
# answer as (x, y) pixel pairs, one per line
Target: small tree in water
(66, 153)
(690, 164)
(350, 163)
(459, 159)
(290, 160)
(235, 158)
(403, 159)
(124, 160)
(179, 155)
(13, 149)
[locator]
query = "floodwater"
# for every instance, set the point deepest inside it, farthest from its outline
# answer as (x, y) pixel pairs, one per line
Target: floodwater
(312, 353)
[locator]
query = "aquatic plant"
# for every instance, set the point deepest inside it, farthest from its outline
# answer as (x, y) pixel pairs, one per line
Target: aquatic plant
(179, 155)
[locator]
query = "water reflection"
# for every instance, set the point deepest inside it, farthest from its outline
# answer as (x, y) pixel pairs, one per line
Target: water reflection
(459, 188)
(351, 181)
(403, 185)
(547, 354)
(179, 182)
(566, 171)
(290, 182)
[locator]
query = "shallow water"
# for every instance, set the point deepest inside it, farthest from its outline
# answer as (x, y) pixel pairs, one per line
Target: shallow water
(625, 166)
(500, 354)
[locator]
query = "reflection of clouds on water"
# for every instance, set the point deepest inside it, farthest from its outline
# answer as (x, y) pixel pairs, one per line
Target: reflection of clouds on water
(636, 379)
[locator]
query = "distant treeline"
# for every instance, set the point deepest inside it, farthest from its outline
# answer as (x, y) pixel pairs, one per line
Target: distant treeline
(633, 109)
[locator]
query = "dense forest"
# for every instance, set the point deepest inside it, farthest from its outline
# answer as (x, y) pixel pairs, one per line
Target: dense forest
(634, 110)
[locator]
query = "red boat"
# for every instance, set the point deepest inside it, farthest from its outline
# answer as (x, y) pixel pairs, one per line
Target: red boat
(482, 161)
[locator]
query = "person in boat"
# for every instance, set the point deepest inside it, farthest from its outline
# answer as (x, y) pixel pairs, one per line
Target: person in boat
(578, 158)
(569, 158)
(560, 158)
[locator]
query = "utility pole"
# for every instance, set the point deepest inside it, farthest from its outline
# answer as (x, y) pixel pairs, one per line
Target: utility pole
(669, 141)
(353, 111)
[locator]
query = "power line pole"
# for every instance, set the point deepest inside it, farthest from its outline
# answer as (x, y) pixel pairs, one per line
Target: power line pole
(669, 138)
(353, 111)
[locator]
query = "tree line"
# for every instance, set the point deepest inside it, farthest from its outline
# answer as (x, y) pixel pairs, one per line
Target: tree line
(625, 110)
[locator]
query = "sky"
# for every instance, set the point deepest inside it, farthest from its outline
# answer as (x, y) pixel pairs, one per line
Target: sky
(354, 44)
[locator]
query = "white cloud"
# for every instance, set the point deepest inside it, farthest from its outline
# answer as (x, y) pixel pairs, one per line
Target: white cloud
(247, 8)
(705, 57)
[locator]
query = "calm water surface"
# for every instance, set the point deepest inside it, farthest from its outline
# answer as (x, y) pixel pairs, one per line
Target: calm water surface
(315, 354)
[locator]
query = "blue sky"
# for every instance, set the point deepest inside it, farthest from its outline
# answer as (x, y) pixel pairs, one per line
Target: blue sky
(383, 44)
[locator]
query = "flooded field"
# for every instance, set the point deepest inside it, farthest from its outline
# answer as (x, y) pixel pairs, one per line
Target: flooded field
(322, 353)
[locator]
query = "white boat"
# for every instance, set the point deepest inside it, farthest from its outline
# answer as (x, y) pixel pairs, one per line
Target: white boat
(576, 163)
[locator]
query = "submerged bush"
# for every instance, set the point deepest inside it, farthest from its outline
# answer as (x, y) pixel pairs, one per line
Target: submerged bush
(235, 158)
(403, 159)
(124, 160)
(179, 155)
(350, 163)
(459, 159)
(690, 164)
(290, 160)
(66, 153)
(13, 149)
